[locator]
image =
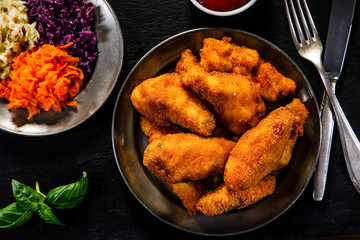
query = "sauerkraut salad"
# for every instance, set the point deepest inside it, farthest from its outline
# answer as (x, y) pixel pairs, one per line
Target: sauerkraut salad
(16, 33)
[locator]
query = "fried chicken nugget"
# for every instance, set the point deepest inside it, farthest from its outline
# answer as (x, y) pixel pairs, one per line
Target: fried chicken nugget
(272, 84)
(165, 101)
(182, 157)
(222, 199)
(258, 151)
(234, 98)
(224, 56)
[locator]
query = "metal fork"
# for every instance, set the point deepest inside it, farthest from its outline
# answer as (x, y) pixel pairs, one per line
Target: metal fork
(310, 48)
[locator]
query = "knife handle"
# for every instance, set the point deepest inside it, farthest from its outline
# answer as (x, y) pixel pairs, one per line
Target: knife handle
(327, 121)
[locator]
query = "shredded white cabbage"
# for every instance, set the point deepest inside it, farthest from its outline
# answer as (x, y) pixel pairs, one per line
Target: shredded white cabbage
(16, 34)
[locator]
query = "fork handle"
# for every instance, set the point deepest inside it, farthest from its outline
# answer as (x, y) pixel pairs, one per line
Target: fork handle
(349, 141)
(327, 121)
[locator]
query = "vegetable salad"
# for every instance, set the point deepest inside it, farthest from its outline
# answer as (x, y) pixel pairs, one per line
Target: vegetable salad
(34, 34)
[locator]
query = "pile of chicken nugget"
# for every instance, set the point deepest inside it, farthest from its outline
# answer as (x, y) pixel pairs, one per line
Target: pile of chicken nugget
(209, 137)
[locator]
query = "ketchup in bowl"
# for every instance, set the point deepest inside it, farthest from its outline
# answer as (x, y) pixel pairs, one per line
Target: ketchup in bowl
(222, 5)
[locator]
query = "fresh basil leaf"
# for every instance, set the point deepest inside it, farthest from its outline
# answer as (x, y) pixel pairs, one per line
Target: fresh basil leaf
(37, 187)
(47, 215)
(68, 196)
(26, 197)
(14, 215)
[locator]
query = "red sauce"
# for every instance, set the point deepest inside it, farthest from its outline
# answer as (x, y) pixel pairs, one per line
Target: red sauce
(222, 5)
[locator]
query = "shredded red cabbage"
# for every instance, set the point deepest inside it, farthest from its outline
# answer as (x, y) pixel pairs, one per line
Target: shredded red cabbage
(62, 21)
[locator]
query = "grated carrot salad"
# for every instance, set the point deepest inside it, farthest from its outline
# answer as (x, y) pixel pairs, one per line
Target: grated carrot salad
(46, 78)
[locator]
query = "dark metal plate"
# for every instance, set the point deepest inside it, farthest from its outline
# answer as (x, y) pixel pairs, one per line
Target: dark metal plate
(129, 143)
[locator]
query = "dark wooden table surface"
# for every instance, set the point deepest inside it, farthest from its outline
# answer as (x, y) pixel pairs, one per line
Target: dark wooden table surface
(110, 211)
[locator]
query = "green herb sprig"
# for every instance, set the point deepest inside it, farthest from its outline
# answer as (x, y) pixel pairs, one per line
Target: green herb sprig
(30, 201)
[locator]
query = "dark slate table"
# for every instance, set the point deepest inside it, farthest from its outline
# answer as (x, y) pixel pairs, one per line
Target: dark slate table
(110, 211)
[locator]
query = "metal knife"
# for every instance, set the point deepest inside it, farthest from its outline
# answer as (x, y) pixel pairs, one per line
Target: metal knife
(342, 12)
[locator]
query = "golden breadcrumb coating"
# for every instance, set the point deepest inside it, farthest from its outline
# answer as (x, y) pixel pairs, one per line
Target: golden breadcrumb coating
(182, 157)
(222, 199)
(300, 115)
(224, 56)
(266, 147)
(165, 101)
(272, 84)
(154, 131)
(258, 150)
(234, 98)
(190, 192)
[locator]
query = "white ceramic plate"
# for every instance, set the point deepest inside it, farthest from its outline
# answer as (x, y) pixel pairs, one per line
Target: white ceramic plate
(225, 13)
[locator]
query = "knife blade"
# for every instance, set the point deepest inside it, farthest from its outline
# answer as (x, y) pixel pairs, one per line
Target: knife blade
(340, 24)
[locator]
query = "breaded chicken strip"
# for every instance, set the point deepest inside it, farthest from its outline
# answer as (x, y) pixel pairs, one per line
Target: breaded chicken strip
(225, 56)
(182, 157)
(301, 113)
(234, 98)
(165, 101)
(272, 84)
(222, 199)
(258, 151)
(266, 147)
(188, 192)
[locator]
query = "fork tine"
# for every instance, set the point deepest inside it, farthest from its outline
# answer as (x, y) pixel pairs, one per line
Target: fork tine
(291, 25)
(310, 19)
(302, 17)
(296, 22)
